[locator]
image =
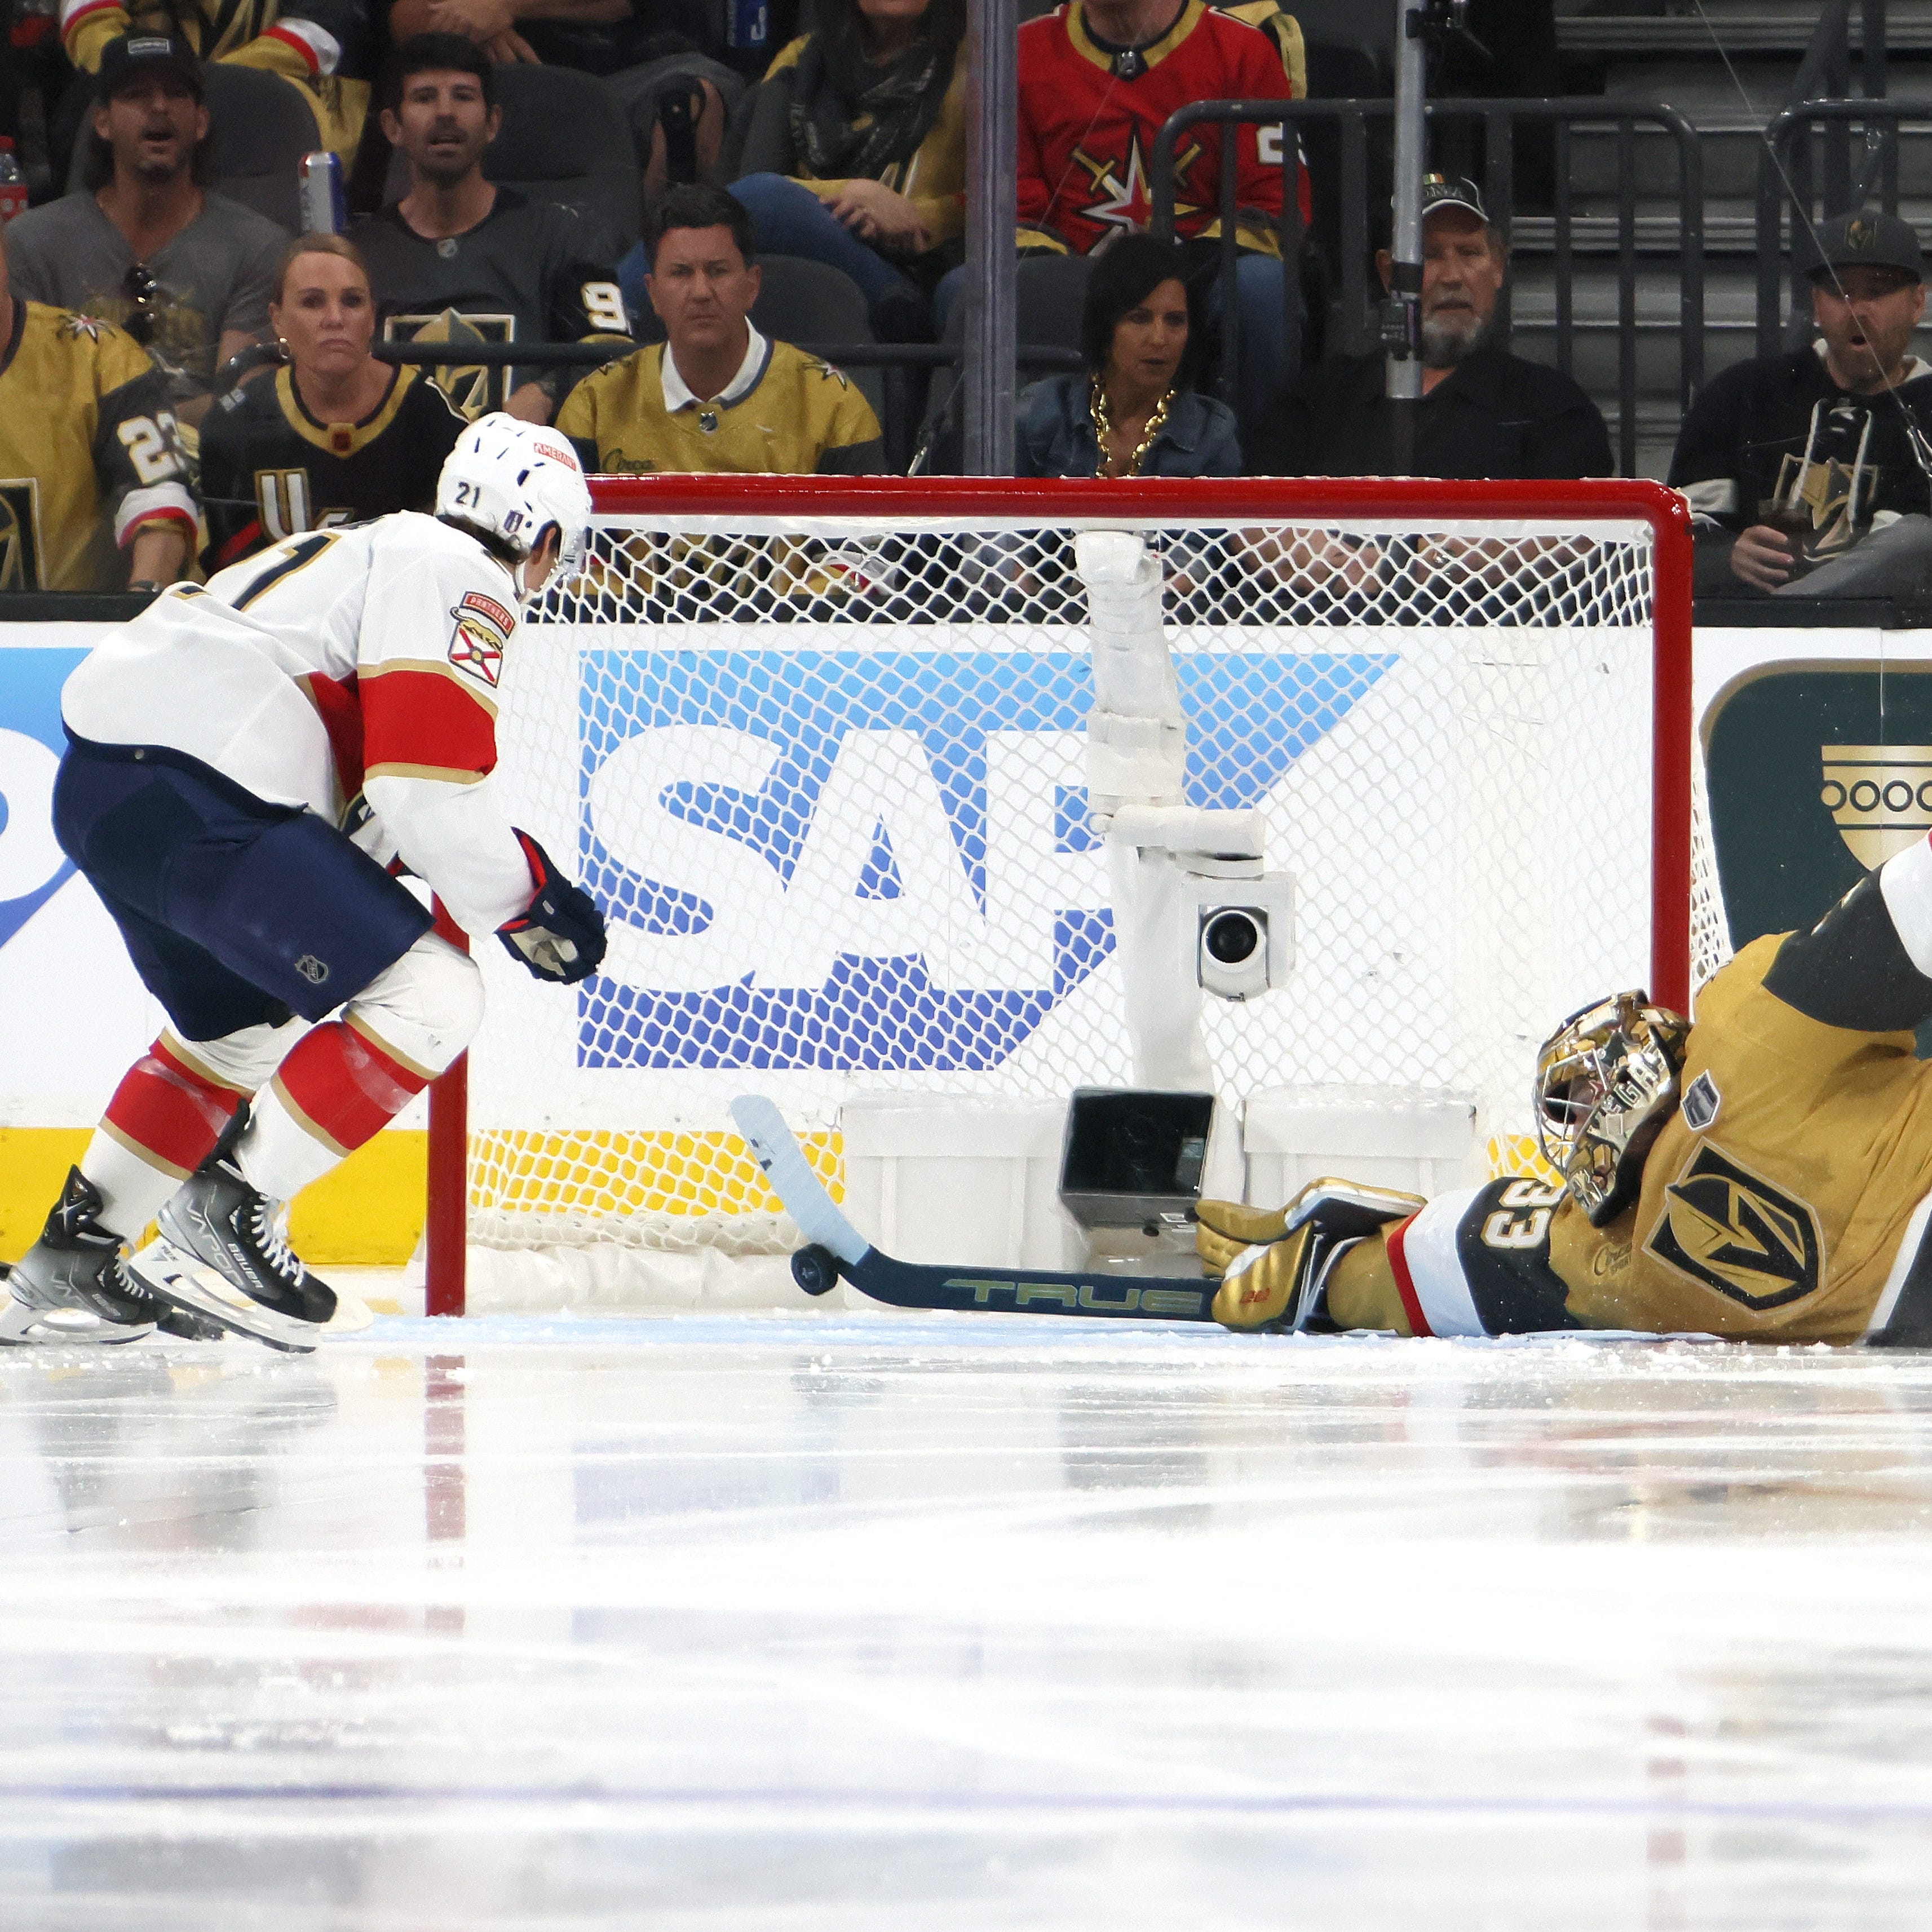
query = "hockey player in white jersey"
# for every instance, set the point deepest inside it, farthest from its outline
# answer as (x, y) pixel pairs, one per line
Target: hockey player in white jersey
(245, 760)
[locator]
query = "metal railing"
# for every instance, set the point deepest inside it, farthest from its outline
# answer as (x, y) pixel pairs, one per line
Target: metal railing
(895, 361)
(1499, 120)
(1807, 171)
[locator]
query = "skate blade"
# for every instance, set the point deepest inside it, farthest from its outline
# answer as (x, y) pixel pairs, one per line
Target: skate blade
(352, 1315)
(172, 1275)
(21, 1323)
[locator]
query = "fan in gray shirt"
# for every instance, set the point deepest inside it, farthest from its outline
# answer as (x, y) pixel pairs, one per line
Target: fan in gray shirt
(213, 279)
(188, 274)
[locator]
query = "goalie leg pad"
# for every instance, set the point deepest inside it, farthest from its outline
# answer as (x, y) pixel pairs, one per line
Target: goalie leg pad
(1275, 1262)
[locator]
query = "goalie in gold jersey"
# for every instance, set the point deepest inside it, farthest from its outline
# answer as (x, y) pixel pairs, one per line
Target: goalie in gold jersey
(1764, 1174)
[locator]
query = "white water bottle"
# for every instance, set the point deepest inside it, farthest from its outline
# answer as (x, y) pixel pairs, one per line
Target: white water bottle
(12, 182)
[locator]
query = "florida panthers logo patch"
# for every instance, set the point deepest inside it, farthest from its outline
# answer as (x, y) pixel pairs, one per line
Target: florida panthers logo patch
(483, 628)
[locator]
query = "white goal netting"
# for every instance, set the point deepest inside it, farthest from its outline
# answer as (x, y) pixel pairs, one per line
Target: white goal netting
(825, 772)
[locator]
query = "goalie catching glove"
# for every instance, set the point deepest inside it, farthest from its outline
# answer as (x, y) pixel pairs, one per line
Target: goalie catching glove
(1274, 1263)
(559, 934)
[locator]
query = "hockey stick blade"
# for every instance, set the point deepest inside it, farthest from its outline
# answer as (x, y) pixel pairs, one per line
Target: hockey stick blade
(776, 1150)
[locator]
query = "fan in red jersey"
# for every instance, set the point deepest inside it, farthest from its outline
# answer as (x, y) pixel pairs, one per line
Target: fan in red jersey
(1097, 80)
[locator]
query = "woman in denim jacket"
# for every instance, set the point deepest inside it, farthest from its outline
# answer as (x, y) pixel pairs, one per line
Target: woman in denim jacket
(1132, 412)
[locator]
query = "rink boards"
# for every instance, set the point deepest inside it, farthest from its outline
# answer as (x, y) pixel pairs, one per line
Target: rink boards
(976, 917)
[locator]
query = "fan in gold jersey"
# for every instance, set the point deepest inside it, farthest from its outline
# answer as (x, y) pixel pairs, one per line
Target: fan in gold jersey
(90, 462)
(1764, 1174)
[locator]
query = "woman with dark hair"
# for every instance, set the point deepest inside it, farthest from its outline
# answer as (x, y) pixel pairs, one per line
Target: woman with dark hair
(1133, 410)
(855, 152)
(335, 435)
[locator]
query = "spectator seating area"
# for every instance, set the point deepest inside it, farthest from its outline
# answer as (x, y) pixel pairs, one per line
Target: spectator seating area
(564, 137)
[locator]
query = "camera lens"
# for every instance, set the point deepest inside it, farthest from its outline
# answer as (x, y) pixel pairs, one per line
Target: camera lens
(1231, 938)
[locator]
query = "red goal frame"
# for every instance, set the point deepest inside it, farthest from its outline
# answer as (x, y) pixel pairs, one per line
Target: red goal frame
(1191, 500)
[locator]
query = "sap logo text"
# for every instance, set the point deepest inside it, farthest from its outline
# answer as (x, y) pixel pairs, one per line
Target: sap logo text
(877, 868)
(31, 862)
(1067, 1295)
(879, 858)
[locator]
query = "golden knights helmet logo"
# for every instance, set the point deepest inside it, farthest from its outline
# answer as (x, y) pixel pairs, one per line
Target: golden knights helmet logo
(19, 550)
(1732, 1230)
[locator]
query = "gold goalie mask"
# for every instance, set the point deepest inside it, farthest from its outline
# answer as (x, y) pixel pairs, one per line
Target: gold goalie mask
(1606, 1082)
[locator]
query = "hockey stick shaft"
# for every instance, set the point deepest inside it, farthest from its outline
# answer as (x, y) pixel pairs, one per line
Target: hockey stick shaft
(920, 1285)
(1025, 1292)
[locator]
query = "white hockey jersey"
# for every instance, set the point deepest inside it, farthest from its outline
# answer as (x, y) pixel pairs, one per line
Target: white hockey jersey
(344, 665)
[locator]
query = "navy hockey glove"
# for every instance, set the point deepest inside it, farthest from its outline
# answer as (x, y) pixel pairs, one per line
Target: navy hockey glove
(559, 934)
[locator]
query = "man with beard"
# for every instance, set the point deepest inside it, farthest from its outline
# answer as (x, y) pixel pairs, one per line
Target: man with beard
(1484, 412)
(460, 260)
(1808, 470)
(146, 244)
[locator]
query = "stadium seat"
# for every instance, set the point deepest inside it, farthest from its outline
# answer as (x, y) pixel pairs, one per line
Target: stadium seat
(1049, 295)
(757, 137)
(802, 301)
(564, 139)
(262, 126)
(1350, 45)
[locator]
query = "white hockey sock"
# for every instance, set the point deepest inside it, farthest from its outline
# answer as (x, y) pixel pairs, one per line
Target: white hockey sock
(132, 1189)
(1905, 879)
(279, 1155)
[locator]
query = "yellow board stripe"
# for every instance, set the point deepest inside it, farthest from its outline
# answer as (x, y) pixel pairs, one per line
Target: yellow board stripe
(610, 1171)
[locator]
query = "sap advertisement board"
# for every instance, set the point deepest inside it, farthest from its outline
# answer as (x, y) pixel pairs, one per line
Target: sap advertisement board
(983, 759)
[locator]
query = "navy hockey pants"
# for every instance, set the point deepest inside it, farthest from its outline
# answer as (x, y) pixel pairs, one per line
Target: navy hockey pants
(236, 913)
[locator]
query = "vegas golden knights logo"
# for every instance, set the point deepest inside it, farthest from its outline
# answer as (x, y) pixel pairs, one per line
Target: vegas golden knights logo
(1880, 797)
(19, 530)
(474, 388)
(1730, 1229)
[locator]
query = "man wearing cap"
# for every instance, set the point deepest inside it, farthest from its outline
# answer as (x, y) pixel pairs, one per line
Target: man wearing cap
(1807, 471)
(309, 44)
(187, 273)
(1484, 412)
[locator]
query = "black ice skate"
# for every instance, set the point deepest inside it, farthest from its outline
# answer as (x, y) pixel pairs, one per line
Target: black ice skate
(220, 1254)
(71, 1285)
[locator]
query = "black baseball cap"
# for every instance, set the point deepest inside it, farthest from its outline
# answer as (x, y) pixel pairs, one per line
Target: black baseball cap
(136, 54)
(1441, 191)
(1865, 239)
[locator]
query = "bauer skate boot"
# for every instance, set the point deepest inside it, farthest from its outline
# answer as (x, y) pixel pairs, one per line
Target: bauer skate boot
(221, 1254)
(71, 1285)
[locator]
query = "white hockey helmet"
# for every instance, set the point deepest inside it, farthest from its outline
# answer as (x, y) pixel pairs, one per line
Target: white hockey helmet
(515, 479)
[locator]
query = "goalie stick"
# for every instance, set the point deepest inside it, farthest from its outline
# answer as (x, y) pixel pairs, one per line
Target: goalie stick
(837, 1250)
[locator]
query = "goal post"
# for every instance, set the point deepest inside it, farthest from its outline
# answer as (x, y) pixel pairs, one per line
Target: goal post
(814, 744)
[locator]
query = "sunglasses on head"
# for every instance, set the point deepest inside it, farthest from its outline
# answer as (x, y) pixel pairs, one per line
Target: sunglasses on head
(142, 288)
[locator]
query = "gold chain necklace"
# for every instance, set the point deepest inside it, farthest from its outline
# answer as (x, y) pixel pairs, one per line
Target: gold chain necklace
(1104, 429)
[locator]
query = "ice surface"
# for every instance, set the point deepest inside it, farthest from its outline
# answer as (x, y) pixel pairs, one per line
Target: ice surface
(776, 1622)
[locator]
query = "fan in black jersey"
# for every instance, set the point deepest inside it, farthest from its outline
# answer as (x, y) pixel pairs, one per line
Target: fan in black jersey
(335, 435)
(457, 260)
